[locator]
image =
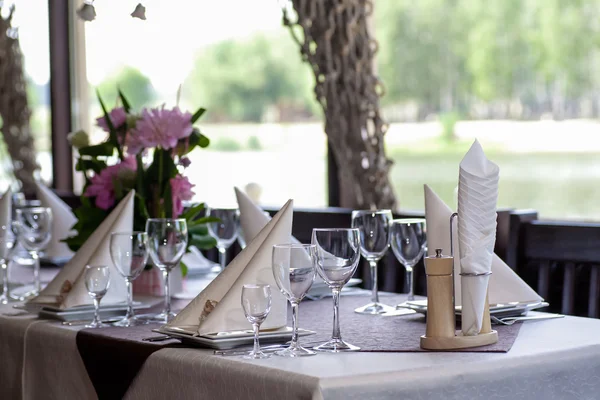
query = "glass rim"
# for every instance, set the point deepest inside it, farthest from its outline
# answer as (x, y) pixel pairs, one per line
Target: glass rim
(98, 266)
(33, 208)
(408, 220)
(165, 219)
(378, 211)
(294, 246)
(256, 285)
(334, 229)
(129, 233)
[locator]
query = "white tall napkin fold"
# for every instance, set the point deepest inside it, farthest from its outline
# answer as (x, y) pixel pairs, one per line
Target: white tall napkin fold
(67, 289)
(62, 222)
(218, 307)
(5, 218)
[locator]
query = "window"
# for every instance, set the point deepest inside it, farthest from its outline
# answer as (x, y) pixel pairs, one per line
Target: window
(234, 58)
(522, 76)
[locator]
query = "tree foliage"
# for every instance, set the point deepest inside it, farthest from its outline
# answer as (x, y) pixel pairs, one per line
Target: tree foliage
(130, 80)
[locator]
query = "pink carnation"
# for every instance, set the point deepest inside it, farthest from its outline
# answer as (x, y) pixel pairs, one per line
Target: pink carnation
(159, 127)
(102, 184)
(117, 116)
(181, 190)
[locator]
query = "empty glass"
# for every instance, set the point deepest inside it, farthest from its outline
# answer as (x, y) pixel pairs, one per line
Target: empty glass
(256, 302)
(97, 281)
(374, 230)
(19, 254)
(7, 240)
(225, 231)
(294, 269)
(33, 226)
(337, 258)
(408, 244)
(129, 254)
(167, 239)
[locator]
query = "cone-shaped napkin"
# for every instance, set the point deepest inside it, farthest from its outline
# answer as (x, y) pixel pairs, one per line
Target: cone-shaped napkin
(68, 289)
(5, 218)
(218, 307)
(477, 199)
(62, 223)
(505, 286)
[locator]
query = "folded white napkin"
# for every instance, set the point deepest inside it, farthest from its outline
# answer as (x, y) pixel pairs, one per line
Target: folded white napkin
(5, 218)
(218, 307)
(67, 289)
(505, 286)
(62, 223)
(195, 260)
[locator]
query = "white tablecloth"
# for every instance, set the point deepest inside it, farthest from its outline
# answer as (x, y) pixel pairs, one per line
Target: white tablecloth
(553, 359)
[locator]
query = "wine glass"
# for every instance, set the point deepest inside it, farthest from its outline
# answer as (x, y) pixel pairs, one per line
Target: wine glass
(256, 302)
(167, 239)
(129, 254)
(374, 230)
(34, 231)
(225, 231)
(338, 253)
(19, 254)
(408, 244)
(97, 281)
(294, 269)
(7, 241)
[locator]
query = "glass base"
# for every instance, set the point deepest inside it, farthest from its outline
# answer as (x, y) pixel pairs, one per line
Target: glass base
(374, 309)
(97, 325)
(162, 317)
(336, 346)
(4, 299)
(133, 321)
(256, 356)
(297, 351)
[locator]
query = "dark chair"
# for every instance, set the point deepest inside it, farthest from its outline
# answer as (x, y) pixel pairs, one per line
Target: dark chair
(561, 261)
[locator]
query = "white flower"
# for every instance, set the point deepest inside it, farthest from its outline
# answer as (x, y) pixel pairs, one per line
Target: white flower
(78, 139)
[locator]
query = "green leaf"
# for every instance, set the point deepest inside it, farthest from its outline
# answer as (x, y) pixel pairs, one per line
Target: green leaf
(203, 242)
(184, 269)
(201, 230)
(126, 105)
(191, 213)
(103, 149)
(140, 187)
(168, 200)
(206, 220)
(85, 164)
(203, 141)
(198, 114)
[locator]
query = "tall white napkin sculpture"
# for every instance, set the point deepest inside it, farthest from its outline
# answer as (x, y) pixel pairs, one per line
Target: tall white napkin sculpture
(62, 223)
(217, 308)
(67, 289)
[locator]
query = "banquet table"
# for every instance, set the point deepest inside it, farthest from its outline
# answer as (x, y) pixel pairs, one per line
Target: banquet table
(552, 359)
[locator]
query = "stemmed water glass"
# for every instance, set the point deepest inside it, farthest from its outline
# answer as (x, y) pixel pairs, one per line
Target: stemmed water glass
(97, 281)
(7, 241)
(33, 226)
(225, 231)
(294, 269)
(256, 302)
(374, 230)
(129, 254)
(337, 258)
(167, 239)
(408, 244)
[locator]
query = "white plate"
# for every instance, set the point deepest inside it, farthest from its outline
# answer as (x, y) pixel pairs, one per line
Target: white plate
(229, 340)
(87, 312)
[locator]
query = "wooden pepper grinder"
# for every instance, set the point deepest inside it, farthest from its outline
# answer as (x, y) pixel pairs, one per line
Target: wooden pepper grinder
(441, 321)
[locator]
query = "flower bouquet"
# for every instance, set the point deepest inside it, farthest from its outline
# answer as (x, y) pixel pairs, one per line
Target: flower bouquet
(145, 151)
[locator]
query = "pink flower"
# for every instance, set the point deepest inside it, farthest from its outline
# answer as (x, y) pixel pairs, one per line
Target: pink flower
(117, 116)
(185, 162)
(181, 190)
(159, 127)
(102, 184)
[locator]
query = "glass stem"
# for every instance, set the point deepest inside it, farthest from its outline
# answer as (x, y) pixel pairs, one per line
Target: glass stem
(167, 292)
(409, 283)
(129, 314)
(96, 320)
(255, 328)
(374, 291)
(5, 279)
(223, 257)
(294, 343)
(37, 286)
(336, 335)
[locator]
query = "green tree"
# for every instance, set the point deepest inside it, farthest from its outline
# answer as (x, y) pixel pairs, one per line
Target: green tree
(241, 80)
(136, 86)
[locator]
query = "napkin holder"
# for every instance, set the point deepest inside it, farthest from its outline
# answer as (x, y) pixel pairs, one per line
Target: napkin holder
(440, 333)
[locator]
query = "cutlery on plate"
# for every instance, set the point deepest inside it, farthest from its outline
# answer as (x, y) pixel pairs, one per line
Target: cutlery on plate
(511, 320)
(160, 338)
